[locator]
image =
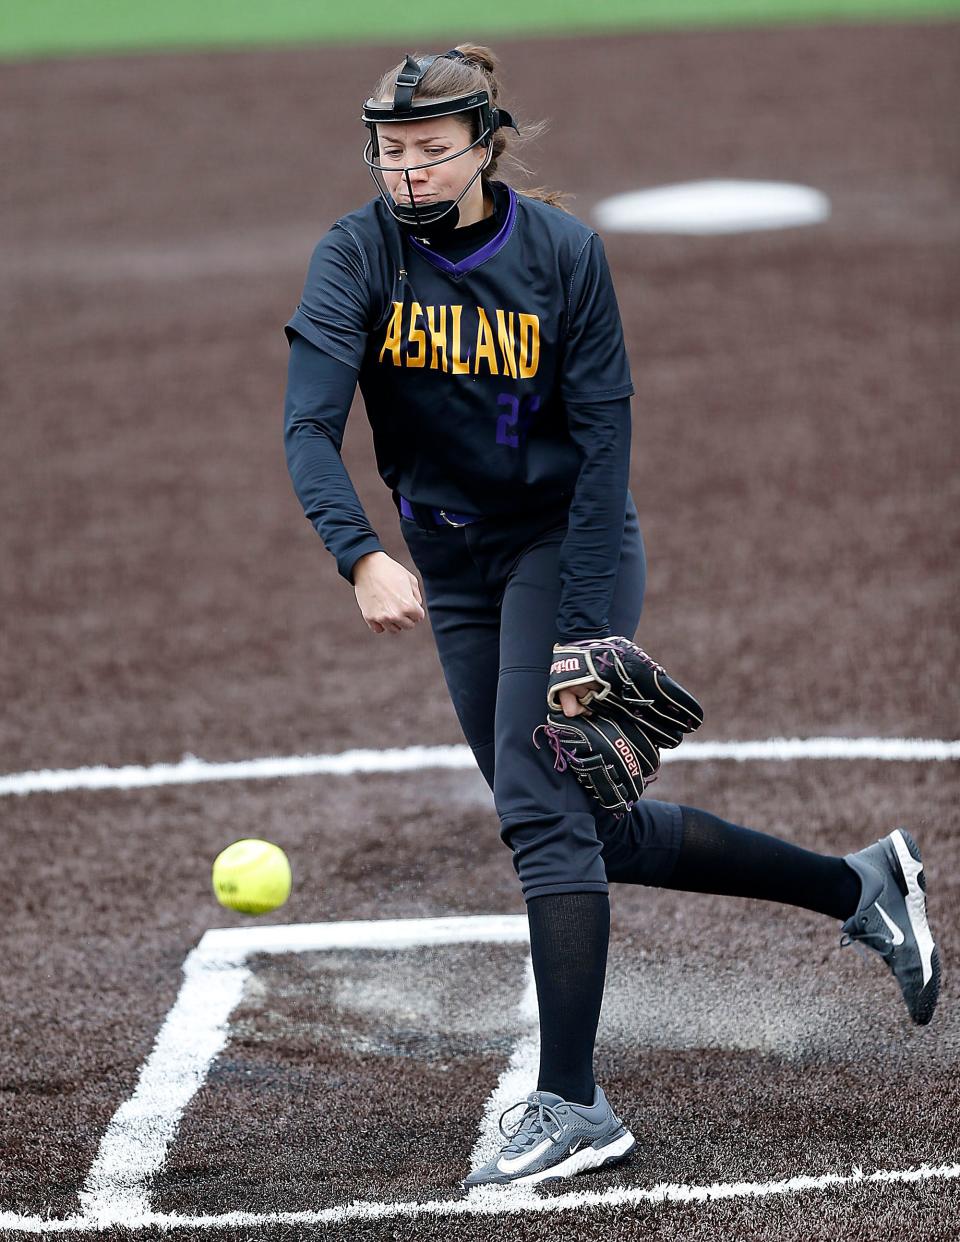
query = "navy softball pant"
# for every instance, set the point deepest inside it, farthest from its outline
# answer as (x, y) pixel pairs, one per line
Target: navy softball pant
(492, 591)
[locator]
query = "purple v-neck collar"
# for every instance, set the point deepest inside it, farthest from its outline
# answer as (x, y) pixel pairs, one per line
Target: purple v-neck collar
(486, 251)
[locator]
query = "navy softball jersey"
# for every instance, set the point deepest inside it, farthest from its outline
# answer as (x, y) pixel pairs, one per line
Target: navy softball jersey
(494, 377)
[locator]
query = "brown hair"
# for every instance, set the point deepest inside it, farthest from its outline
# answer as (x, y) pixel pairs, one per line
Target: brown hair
(478, 70)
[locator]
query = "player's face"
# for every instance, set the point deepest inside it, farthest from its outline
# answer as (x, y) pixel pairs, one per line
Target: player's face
(405, 144)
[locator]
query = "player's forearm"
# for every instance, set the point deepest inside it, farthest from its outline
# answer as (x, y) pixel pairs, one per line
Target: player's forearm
(329, 499)
(319, 393)
(590, 555)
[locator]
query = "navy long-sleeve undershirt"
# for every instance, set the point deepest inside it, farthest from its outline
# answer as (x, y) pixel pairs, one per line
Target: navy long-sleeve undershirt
(320, 391)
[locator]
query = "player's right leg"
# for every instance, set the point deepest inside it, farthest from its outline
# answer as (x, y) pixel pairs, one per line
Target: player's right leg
(465, 618)
(498, 685)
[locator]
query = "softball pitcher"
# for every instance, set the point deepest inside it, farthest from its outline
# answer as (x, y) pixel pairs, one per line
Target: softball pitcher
(482, 327)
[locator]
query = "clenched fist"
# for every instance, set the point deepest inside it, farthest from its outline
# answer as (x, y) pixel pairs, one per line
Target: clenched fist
(388, 595)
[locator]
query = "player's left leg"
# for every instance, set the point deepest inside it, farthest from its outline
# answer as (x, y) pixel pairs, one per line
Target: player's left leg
(879, 892)
(714, 856)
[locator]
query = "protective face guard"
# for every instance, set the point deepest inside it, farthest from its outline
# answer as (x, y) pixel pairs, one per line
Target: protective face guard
(429, 217)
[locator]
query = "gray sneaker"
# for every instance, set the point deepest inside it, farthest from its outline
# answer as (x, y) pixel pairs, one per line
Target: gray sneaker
(892, 918)
(555, 1139)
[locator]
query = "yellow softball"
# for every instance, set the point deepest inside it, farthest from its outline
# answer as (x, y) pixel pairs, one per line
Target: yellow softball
(252, 876)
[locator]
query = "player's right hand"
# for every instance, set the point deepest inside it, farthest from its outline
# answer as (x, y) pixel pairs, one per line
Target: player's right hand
(388, 594)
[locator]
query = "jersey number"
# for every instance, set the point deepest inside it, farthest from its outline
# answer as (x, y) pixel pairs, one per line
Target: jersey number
(512, 427)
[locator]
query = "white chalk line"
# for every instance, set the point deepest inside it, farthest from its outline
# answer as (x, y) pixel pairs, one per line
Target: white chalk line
(135, 1144)
(516, 1081)
(192, 771)
(195, 1031)
(495, 1202)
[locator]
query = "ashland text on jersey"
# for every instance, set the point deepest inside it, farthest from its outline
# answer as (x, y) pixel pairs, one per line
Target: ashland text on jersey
(416, 336)
(469, 370)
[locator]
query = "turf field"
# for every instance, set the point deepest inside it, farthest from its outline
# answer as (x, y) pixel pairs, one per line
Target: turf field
(164, 602)
(69, 27)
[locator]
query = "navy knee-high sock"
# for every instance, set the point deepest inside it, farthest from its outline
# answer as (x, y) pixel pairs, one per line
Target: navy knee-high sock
(718, 857)
(569, 934)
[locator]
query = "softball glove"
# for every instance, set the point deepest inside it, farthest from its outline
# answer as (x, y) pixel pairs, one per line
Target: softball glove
(613, 748)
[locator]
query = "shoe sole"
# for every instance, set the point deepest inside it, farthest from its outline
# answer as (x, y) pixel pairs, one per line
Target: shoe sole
(913, 886)
(586, 1160)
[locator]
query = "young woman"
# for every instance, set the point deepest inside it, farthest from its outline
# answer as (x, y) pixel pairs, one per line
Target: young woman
(482, 327)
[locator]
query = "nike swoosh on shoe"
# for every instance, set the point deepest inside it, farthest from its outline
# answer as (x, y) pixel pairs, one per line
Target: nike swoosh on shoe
(915, 903)
(895, 931)
(506, 1165)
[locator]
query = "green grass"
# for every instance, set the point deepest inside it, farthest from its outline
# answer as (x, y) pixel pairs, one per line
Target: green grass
(65, 27)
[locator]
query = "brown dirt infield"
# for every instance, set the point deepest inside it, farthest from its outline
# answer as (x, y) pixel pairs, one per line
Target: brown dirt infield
(795, 475)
